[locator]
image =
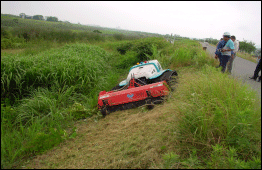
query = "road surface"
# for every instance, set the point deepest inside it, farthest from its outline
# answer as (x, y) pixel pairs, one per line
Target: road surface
(242, 69)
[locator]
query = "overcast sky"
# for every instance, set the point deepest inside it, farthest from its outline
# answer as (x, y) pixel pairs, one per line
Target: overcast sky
(194, 19)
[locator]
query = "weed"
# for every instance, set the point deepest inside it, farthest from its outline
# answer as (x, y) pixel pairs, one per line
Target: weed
(171, 160)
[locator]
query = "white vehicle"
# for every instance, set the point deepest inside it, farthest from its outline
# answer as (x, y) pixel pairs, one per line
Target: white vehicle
(147, 72)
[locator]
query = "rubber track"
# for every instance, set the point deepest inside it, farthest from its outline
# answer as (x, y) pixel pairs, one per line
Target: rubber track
(149, 101)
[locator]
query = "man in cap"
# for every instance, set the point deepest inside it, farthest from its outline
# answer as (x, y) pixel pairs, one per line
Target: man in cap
(226, 50)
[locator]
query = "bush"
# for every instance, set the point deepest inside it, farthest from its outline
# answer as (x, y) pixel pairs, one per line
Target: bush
(13, 42)
(6, 43)
(43, 141)
(123, 48)
(143, 48)
(118, 36)
(127, 60)
(5, 33)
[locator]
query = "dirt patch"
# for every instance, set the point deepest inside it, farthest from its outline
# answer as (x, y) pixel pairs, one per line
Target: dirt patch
(12, 51)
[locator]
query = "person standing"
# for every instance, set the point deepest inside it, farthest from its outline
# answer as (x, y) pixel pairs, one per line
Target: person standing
(219, 46)
(233, 55)
(226, 50)
(258, 68)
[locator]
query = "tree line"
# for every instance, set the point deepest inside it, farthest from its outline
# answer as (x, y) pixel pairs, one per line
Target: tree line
(38, 17)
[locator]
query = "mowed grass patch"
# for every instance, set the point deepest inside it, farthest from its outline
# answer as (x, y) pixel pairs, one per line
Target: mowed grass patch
(134, 138)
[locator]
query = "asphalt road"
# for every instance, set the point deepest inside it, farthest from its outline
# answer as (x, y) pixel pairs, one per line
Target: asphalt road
(242, 69)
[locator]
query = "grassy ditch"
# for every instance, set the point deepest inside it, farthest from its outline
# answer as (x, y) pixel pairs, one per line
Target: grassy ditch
(197, 127)
(44, 93)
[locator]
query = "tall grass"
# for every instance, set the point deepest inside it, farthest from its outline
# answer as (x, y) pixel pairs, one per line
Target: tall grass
(77, 65)
(221, 119)
(247, 56)
(53, 87)
(128, 53)
(182, 54)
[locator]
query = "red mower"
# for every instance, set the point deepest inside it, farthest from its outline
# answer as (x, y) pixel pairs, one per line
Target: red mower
(146, 84)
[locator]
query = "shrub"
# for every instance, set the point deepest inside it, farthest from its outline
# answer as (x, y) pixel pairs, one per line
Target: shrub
(5, 33)
(118, 36)
(127, 60)
(123, 48)
(6, 43)
(43, 141)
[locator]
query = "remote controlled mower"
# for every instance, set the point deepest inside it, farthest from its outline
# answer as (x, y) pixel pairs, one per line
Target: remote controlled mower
(146, 84)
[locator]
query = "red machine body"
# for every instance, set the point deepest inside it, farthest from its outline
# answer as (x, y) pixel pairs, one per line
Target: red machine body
(135, 92)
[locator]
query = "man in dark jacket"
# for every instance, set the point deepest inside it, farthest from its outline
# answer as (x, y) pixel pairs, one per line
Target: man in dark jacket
(218, 54)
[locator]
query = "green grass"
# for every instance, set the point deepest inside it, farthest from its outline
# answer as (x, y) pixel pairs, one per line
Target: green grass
(19, 32)
(81, 65)
(247, 56)
(216, 119)
(166, 136)
(47, 90)
(220, 119)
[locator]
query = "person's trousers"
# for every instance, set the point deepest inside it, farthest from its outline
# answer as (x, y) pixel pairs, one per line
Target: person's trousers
(224, 60)
(230, 62)
(219, 57)
(258, 68)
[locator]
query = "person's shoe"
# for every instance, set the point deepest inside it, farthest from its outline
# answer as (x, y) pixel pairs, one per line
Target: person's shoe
(253, 78)
(259, 78)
